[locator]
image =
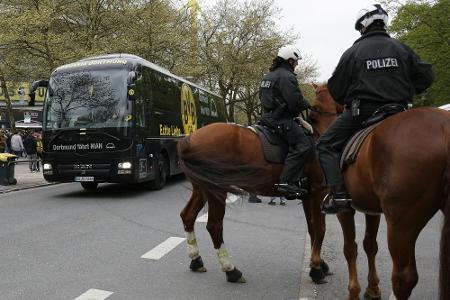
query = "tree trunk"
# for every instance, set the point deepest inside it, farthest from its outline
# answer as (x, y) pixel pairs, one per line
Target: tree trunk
(231, 106)
(249, 118)
(9, 110)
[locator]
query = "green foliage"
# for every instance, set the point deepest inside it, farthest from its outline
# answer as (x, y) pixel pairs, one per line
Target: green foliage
(237, 43)
(227, 47)
(425, 27)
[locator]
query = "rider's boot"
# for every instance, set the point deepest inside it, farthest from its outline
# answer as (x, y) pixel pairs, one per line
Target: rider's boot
(291, 188)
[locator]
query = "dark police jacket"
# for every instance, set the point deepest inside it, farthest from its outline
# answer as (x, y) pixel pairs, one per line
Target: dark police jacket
(280, 94)
(281, 101)
(380, 69)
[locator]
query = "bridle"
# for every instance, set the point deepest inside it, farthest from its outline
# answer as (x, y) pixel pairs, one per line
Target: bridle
(320, 112)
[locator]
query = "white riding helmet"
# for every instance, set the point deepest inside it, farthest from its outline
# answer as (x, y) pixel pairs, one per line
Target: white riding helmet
(368, 15)
(289, 51)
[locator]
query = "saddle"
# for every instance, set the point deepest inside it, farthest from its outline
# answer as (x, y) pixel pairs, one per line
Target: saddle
(275, 149)
(352, 147)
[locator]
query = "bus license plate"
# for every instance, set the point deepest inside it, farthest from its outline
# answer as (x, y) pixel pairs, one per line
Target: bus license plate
(84, 178)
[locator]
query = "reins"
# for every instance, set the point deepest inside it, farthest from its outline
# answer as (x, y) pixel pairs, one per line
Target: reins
(323, 112)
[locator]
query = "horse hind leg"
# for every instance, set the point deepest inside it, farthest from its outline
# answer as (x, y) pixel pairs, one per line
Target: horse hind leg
(189, 215)
(402, 237)
(216, 213)
(371, 248)
(401, 243)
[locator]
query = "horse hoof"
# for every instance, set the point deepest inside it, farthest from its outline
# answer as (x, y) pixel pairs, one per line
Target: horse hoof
(325, 268)
(367, 296)
(197, 265)
(317, 275)
(235, 276)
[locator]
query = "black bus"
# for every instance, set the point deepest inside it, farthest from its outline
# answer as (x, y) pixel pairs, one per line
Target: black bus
(116, 118)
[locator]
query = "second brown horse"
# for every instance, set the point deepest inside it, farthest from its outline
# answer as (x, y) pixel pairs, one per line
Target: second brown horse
(403, 172)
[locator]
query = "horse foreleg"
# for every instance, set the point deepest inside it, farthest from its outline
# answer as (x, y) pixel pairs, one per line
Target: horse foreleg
(216, 213)
(347, 221)
(371, 249)
(316, 228)
(189, 215)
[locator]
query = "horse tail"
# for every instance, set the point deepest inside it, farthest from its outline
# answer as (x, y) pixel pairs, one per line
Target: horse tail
(211, 171)
(444, 270)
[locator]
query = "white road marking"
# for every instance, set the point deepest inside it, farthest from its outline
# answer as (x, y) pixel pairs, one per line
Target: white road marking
(94, 294)
(202, 219)
(163, 248)
(230, 200)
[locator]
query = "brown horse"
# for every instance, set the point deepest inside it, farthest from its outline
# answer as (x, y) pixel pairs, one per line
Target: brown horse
(403, 172)
(221, 158)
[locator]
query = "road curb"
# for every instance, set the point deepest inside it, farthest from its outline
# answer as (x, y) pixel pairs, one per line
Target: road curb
(31, 186)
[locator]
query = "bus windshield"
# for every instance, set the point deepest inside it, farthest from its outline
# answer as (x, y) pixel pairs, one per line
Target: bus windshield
(88, 99)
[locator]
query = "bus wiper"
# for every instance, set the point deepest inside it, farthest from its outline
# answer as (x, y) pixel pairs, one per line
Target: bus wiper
(109, 135)
(77, 130)
(61, 131)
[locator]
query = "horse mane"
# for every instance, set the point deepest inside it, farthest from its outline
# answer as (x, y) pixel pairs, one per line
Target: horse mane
(216, 174)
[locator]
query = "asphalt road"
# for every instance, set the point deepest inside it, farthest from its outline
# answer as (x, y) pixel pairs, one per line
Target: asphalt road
(59, 242)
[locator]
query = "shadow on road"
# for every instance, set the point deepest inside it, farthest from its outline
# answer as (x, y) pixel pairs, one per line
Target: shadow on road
(122, 191)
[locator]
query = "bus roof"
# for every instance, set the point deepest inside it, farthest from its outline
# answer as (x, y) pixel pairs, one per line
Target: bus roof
(124, 59)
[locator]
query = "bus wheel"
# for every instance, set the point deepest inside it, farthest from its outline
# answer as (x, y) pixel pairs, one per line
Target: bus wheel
(161, 173)
(89, 186)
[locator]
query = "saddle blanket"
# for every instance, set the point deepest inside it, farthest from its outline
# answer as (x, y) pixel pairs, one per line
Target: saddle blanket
(274, 148)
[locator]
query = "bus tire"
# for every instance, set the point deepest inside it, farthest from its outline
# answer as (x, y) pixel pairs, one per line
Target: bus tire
(161, 173)
(89, 186)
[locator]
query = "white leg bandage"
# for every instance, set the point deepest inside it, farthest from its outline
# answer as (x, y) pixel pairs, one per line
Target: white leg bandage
(192, 247)
(224, 259)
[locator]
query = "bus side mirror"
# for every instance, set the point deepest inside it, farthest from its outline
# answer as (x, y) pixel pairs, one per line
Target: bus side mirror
(131, 92)
(131, 78)
(34, 86)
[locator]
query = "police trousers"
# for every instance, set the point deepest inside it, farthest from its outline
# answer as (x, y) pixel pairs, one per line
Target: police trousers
(301, 149)
(331, 144)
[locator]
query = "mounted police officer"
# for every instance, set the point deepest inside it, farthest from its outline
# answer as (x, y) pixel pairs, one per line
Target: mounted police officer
(375, 71)
(282, 101)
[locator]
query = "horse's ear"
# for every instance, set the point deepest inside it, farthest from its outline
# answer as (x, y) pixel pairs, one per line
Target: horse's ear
(314, 85)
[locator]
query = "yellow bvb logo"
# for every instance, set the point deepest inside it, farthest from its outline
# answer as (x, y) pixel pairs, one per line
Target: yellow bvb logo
(188, 110)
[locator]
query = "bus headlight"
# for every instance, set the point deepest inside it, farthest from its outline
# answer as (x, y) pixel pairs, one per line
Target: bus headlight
(124, 167)
(47, 169)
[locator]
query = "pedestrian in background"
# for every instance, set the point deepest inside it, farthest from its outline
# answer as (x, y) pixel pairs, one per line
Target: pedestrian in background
(17, 147)
(8, 142)
(39, 147)
(30, 148)
(272, 201)
(3, 138)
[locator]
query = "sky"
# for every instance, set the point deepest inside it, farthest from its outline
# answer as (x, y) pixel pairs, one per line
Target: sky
(326, 28)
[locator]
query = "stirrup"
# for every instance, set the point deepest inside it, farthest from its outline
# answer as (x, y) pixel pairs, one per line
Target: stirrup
(330, 205)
